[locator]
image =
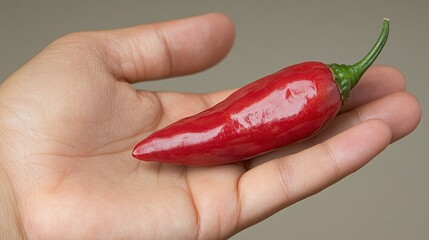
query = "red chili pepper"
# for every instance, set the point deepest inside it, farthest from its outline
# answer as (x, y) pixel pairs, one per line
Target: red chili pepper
(282, 108)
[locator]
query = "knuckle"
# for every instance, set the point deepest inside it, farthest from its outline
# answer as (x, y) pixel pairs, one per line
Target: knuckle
(77, 43)
(75, 38)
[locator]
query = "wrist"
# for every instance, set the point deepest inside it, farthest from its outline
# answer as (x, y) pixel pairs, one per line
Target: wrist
(10, 221)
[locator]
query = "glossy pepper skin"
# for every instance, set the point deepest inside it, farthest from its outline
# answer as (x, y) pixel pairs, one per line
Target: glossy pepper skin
(282, 108)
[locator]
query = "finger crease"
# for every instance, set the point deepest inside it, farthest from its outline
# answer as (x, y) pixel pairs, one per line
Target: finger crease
(359, 114)
(285, 173)
(198, 231)
(240, 205)
(167, 50)
(332, 159)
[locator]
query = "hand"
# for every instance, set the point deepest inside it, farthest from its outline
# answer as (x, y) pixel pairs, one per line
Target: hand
(69, 120)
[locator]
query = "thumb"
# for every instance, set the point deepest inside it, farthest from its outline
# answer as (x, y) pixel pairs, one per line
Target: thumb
(170, 48)
(156, 50)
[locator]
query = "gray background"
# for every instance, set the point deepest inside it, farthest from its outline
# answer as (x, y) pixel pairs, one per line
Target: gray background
(387, 199)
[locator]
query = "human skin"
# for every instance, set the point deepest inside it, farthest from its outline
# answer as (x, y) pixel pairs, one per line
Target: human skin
(69, 120)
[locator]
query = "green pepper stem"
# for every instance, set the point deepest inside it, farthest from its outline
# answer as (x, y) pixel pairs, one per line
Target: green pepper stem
(364, 64)
(347, 76)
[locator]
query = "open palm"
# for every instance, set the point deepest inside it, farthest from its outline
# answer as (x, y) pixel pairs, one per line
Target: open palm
(71, 119)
